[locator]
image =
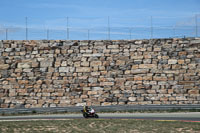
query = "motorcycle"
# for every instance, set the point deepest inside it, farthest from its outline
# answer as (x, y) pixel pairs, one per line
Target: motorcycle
(89, 114)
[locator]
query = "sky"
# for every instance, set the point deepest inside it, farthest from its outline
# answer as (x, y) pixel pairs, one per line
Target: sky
(99, 19)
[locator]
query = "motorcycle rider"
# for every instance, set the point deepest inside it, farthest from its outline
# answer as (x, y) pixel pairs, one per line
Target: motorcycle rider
(89, 112)
(86, 109)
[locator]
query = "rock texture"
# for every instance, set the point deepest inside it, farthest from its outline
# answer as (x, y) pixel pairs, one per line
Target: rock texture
(75, 73)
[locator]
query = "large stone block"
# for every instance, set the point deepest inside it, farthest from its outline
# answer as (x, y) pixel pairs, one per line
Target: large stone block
(181, 98)
(95, 73)
(83, 69)
(138, 78)
(193, 92)
(97, 88)
(85, 63)
(172, 61)
(138, 42)
(24, 65)
(96, 63)
(160, 78)
(106, 83)
(35, 64)
(4, 66)
(28, 70)
(171, 71)
(106, 104)
(120, 62)
(114, 50)
(130, 83)
(139, 71)
(57, 64)
(46, 63)
(137, 57)
(186, 82)
(93, 55)
(64, 63)
(92, 92)
(113, 46)
(120, 81)
(195, 41)
(122, 99)
(9, 49)
(151, 91)
(92, 80)
(132, 99)
(164, 99)
(65, 101)
(158, 49)
(1, 44)
(148, 66)
(63, 69)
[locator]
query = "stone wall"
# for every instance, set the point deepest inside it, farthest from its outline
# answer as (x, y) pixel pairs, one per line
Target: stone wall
(74, 73)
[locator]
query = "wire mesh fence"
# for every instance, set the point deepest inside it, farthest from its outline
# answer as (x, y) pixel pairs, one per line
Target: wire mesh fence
(97, 28)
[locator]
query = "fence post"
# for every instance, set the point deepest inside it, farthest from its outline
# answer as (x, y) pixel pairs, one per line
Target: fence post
(196, 26)
(47, 34)
(151, 27)
(67, 28)
(108, 28)
(130, 30)
(6, 33)
(26, 28)
(174, 31)
(88, 34)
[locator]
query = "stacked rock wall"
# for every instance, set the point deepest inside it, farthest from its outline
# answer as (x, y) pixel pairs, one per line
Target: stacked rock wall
(74, 73)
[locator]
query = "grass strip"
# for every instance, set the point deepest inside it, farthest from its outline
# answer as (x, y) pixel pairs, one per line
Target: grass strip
(98, 126)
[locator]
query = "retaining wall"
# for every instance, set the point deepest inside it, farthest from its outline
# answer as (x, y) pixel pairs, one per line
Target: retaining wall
(64, 73)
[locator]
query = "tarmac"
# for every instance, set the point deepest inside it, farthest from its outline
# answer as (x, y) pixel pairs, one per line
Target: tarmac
(180, 116)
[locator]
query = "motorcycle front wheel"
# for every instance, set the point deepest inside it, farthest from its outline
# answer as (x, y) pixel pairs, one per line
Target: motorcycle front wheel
(96, 116)
(85, 115)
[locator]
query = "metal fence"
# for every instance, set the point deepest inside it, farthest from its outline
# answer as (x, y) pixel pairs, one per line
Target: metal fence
(100, 28)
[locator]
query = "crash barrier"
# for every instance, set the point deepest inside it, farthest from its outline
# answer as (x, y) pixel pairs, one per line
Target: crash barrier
(60, 73)
(101, 109)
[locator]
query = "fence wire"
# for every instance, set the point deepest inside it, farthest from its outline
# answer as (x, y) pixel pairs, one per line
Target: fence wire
(97, 28)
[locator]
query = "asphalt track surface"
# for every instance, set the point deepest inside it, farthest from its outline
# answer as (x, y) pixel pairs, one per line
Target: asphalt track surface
(187, 117)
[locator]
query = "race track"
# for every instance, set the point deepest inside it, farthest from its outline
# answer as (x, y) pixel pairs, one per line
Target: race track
(190, 117)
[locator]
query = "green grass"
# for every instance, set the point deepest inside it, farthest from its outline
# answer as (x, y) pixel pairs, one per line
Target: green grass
(98, 126)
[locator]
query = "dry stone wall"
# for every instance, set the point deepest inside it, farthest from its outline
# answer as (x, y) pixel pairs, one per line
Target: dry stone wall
(64, 73)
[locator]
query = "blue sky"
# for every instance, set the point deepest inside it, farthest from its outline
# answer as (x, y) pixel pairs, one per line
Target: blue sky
(128, 18)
